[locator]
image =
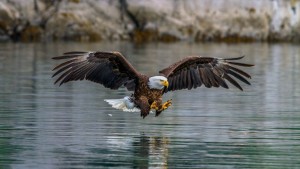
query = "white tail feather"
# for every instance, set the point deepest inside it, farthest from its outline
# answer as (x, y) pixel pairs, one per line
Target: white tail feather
(122, 104)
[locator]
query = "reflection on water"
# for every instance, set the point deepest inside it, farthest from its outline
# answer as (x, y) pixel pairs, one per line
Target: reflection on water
(46, 126)
(150, 150)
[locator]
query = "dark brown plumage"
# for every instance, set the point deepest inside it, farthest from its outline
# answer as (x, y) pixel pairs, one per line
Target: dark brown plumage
(192, 72)
(91, 66)
(112, 70)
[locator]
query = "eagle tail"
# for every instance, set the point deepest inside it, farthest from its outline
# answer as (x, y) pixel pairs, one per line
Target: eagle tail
(123, 104)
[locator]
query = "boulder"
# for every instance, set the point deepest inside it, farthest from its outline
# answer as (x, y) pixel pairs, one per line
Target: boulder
(150, 20)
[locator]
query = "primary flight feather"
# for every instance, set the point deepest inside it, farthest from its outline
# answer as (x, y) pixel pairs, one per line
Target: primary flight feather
(112, 70)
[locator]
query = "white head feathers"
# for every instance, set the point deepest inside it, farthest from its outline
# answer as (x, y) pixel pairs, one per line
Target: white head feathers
(158, 82)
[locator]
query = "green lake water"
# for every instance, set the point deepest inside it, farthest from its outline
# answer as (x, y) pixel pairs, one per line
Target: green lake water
(44, 126)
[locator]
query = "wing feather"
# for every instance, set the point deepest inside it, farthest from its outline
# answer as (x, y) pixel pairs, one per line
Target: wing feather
(241, 78)
(197, 77)
(232, 81)
(239, 71)
(240, 64)
(182, 75)
(211, 77)
(220, 80)
(110, 69)
(176, 79)
(67, 66)
(71, 71)
(190, 82)
(64, 64)
(205, 77)
(192, 79)
(171, 83)
(192, 72)
(179, 82)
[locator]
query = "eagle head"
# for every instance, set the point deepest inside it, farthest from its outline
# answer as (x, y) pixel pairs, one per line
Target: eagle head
(158, 82)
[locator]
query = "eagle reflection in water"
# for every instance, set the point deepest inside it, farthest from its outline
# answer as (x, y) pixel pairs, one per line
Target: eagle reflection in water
(150, 151)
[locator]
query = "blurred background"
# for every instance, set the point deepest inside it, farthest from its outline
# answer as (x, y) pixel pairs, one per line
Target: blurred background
(151, 20)
(46, 126)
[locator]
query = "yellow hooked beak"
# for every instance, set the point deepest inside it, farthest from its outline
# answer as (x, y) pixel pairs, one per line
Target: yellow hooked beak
(165, 83)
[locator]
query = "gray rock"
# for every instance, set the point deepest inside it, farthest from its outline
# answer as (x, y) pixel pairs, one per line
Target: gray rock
(150, 20)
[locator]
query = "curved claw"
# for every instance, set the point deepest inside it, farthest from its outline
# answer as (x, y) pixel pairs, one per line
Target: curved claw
(154, 106)
(167, 104)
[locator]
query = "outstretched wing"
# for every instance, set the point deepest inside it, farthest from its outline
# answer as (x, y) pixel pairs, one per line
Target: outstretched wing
(192, 72)
(108, 68)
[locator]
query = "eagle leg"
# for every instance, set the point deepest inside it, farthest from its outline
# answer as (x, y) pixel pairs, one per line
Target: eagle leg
(154, 106)
(166, 105)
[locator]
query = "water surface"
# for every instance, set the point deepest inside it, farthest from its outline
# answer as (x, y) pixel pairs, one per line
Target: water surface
(46, 126)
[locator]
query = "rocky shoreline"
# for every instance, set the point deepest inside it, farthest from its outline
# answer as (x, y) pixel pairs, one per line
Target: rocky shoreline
(151, 20)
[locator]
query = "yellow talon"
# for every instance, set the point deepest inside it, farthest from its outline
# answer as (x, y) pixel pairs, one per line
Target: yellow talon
(154, 105)
(167, 104)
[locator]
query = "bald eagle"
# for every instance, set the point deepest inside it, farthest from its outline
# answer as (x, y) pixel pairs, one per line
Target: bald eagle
(112, 70)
